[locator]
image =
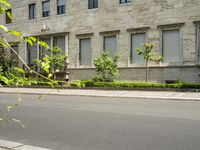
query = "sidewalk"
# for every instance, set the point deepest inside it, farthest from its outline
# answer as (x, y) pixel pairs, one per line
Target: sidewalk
(166, 95)
(8, 145)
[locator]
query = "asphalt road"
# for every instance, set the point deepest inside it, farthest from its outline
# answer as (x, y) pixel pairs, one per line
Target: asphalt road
(98, 123)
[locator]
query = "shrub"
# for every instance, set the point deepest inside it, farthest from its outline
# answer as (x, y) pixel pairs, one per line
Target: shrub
(106, 68)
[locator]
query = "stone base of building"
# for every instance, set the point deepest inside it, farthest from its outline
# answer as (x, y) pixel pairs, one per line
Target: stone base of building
(156, 74)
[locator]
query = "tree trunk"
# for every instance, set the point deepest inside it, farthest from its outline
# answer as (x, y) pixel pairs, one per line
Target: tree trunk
(147, 70)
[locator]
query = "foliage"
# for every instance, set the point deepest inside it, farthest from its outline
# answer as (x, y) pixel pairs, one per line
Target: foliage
(11, 75)
(53, 62)
(146, 51)
(106, 67)
(90, 83)
(7, 61)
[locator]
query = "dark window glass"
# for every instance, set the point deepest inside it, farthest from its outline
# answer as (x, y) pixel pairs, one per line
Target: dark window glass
(199, 45)
(32, 54)
(43, 51)
(60, 7)
(14, 56)
(32, 11)
(124, 1)
(92, 4)
(46, 8)
(60, 43)
(8, 16)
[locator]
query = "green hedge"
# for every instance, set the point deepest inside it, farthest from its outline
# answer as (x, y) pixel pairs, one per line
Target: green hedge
(44, 83)
(89, 83)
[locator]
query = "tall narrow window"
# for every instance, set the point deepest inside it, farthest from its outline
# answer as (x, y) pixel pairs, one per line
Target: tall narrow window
(8, 16)
(136, 41)
(60, 7)
(60, 42)
(124, 1)
(85, 52)
(14, 56)
(32, 55)
(43, 50)
(198, 44)
(92, 4)
(110, 45)
(32, 11)
(46, 8)
(171, 46)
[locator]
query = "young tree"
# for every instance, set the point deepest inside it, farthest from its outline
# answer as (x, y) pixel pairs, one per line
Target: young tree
(106, 67)
(53, 62)
(146, 51)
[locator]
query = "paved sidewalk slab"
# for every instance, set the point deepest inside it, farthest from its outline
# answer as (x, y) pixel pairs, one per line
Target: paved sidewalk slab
(169, 95)
(8, 145)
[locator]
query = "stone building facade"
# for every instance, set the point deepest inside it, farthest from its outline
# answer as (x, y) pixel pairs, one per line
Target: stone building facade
(84, 28)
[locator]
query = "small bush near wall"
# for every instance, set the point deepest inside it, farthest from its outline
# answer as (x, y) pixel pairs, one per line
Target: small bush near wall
(106, 67)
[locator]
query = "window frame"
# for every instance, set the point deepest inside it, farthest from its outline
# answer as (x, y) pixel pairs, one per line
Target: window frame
(126, 1)
(8, 20)
(44, 15)
(180, 46)
(41, 51)
(168, 27)
(131, 46)
(198, 43)
(131, 31)
(63, 8)
(29, 55)
(116, 38)
(79, 52)
(34, 11)
(93, 6)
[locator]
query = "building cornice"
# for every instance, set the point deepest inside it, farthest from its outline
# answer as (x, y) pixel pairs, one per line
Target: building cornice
(109, 32)
(84, 35)
(49, 34)
(137, 29)
(197, 23)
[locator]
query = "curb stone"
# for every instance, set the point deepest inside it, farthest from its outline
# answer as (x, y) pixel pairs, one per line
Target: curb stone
(182, 96)
(8, 145)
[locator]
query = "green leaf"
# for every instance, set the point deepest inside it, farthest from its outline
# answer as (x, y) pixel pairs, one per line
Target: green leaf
(2, 10)
(50, 75)
(29, 41)
(32, 38)
(20, 70)
(9, 14)
(4, 79)
(4, 28)
(13, 32)
(44, 44)
(3, 44)
(5, 3)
